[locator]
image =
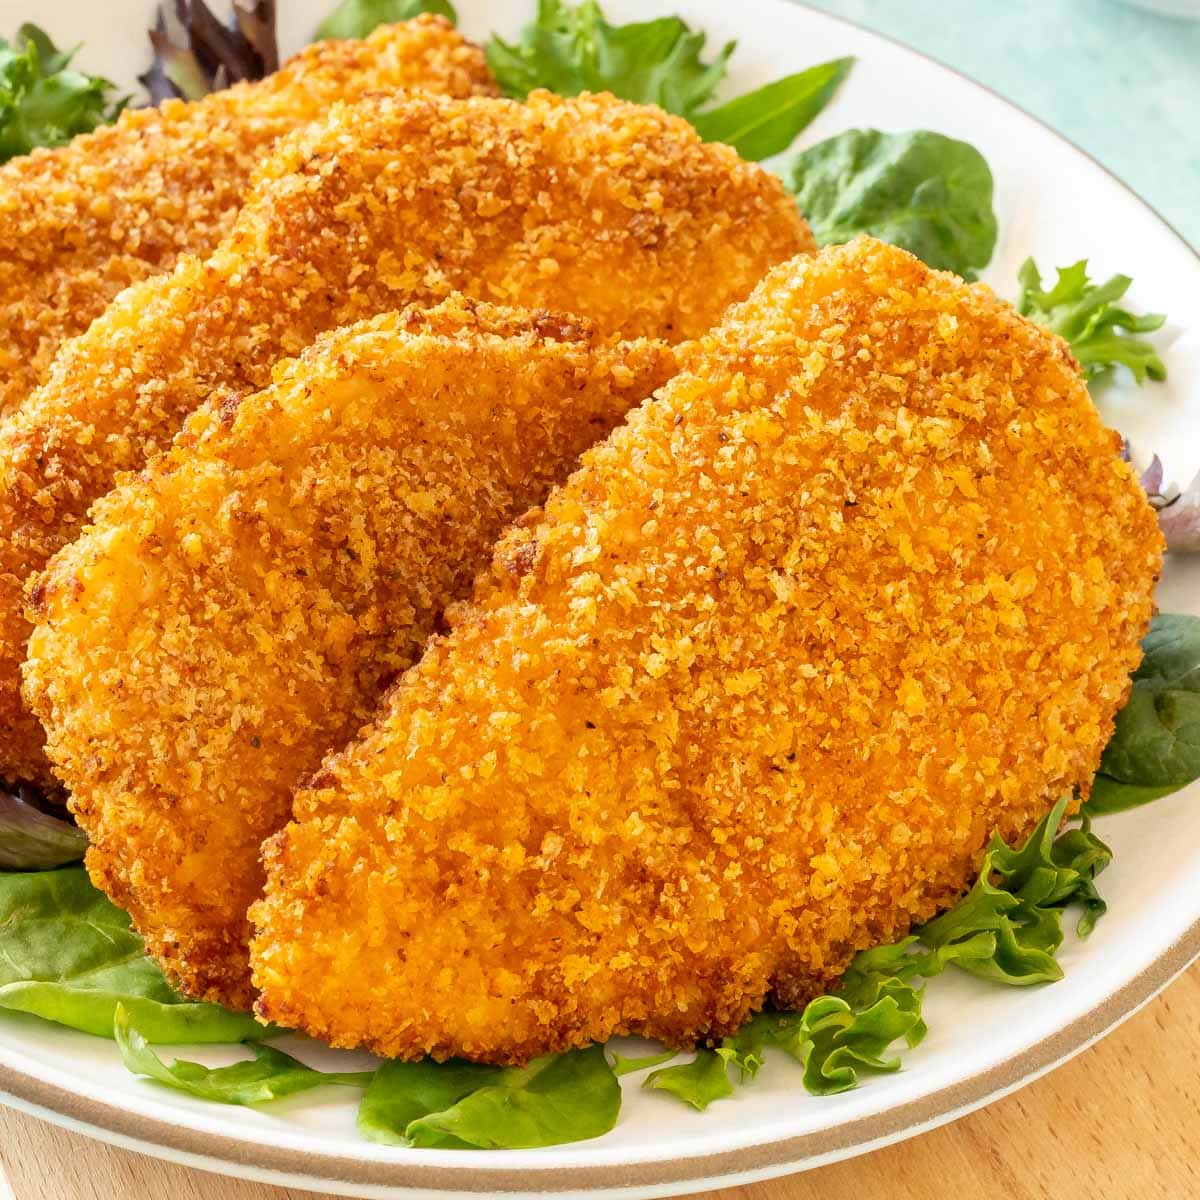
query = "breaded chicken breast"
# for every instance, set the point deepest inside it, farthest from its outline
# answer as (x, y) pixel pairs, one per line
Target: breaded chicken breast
(863, 584)
(238, 609)
(80, 223)
(611, 210)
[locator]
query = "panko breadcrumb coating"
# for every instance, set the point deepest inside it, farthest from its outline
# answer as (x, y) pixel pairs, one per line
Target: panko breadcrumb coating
(611, 210)
(80, 223)
(864, 584)
(238, 609)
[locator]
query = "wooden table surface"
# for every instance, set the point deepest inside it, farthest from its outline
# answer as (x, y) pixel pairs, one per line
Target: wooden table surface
(1122, 1122)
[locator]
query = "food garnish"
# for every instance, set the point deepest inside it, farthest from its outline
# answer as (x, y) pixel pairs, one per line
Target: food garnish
(1099, 331)
(924, 191)
(43, 102)
(570, 49)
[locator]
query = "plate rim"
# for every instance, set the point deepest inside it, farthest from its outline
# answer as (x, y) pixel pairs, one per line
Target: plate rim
(350, 1175)
(255, 1160)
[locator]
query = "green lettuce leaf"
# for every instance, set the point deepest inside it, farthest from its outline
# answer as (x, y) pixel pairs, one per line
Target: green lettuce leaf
(923, 191)
(571, 48)
(1019, 900)
(699, 1082)
(627, 1066)
(454, 1105)
(357, 18)
(269, 1075)
(42, 101)
(71, 957)
(1089, 318)
(1005, 930)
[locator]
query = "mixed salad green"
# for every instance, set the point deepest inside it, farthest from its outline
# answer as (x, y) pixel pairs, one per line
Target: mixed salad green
(71, 957)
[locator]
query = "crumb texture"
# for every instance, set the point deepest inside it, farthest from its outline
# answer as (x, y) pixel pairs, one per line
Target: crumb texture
(81, 222)
(238, 608)
(864, 583)
(593, 206)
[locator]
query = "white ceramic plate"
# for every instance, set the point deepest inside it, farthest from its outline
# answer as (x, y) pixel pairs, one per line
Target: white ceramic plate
(1053, 202)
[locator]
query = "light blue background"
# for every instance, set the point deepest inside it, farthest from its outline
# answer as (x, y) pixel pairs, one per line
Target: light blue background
(1122, 83)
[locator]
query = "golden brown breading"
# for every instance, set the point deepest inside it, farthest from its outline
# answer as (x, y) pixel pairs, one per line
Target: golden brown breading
(80, 223)
(863, 584)
(238, 609)
(610, 210)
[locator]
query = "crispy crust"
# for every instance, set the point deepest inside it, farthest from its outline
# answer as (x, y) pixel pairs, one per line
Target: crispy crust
(80, 223)
(239, 608)
(863, 584)
(611, 210)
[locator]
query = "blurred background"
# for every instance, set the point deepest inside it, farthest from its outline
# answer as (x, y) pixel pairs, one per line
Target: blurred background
(1118, 79)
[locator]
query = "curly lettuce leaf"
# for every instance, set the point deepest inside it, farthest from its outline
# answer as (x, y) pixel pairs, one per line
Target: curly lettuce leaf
(1019, 900)
(42, 101)
(557, 1098)
(71, 957)
(357, 18)
(571, 48)
(1005, 930)
(1155, 746)
(1087, 315)
(269, 1075)
(923, 191)
(32, 838)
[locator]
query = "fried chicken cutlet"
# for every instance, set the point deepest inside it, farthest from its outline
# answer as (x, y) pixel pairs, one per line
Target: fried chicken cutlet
(238, 609)
(864, 583)
(592, 205)
(79, 223)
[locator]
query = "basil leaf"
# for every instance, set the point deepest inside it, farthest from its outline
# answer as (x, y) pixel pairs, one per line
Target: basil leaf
(71, 957)
(1088, 317)
(357, 18)
(42, 101)
(923, 191)
(766, 121)
(34, 840)
(1156, 742)
(269, 1075)
(455, 1105)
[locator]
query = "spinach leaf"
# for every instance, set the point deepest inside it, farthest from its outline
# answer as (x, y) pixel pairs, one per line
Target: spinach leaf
(71, 957)
(32, 839)
(1111, 796)
(923, 191)
(1088, 317)
(269, 1075)
(357, 18)
(1156, 742)
(42, 101)
(456, 1105)
(767, 120)
(570, 49)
